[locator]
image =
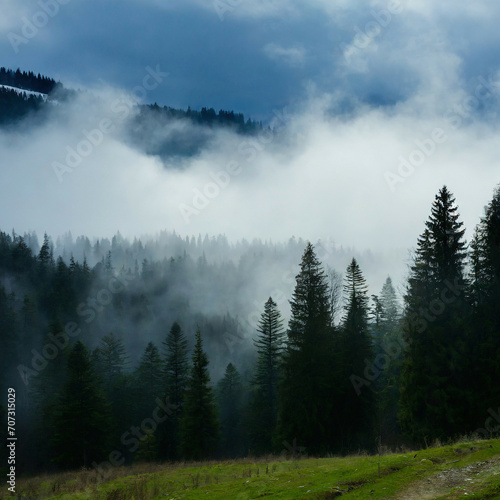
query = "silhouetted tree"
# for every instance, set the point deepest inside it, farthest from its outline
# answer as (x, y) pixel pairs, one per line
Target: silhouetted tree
(263, 408)
(199, 425)
(307, 391)
(434, 398)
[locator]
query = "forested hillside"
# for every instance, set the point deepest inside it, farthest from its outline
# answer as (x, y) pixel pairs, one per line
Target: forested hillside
(156, 130)
(27, 81)
(117, 352)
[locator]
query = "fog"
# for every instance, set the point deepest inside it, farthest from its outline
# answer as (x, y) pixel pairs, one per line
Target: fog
(319, 175)
(370, 111)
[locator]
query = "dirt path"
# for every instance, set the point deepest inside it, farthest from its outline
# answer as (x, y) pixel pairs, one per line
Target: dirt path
(441, 483)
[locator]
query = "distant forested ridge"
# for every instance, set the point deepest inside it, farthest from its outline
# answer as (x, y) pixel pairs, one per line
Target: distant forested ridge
(209, 117)
(27, 80)
(177, 358)
(145, 126)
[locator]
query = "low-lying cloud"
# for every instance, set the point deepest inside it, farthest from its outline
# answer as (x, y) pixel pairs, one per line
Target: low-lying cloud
(364, 180)
(381, 112)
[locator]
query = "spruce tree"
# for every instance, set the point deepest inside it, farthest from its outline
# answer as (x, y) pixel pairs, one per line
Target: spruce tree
(176, 365)
(307, 392)
(391, 310)
(175, 375)
(356, 353)
(111, 358)
(199, 426)
(263, 410)
(45, 254)
(434, 396)
(81, 429)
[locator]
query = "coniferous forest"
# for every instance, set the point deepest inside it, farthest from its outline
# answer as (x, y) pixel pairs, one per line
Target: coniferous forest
(249, 249)
(116, 357)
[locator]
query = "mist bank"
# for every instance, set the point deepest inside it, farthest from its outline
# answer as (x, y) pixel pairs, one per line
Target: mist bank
(362, 178)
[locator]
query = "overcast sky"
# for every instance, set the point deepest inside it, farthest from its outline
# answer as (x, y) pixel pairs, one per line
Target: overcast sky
(359, 89)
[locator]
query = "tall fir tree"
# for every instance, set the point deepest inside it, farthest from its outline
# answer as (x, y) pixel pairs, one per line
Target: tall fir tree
(263, 409)
(176, 365)
(355, 352)
(199, 425)
(307, 391)
(435, 402)
(391, 309)
(176, 370)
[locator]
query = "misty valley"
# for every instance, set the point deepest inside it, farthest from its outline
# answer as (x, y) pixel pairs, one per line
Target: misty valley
(184, 346)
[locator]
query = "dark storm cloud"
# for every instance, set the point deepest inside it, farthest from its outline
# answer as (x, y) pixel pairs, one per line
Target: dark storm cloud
(261, 55)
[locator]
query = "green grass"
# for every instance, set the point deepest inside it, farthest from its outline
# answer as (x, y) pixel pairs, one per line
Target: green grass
(448, 472)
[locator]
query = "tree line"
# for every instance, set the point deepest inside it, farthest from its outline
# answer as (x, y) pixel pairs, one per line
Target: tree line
(27, 80)
(387, 372)
(151, 120)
